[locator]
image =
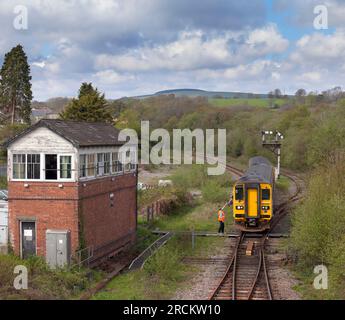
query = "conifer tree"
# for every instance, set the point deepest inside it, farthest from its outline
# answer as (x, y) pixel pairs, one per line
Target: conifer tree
(90, 106)
(15, 86)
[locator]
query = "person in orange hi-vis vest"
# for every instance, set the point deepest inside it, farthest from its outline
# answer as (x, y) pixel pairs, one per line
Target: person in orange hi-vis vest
(221, 219)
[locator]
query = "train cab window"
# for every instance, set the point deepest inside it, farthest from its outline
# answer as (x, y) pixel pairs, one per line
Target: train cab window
(239, 193)
(266, 194)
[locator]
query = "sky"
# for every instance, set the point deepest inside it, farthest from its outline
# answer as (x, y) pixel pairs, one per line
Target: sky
(137, 47)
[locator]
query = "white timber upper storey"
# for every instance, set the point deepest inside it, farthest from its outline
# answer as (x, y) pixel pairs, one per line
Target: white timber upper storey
(43, 155)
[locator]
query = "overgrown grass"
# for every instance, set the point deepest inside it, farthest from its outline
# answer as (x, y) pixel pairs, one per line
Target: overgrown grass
(215, 189)
(163, 273)
(147, 197)
(44, 283)
(318, 225)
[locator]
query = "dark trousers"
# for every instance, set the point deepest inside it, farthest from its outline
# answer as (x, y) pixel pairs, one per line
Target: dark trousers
(221, 227)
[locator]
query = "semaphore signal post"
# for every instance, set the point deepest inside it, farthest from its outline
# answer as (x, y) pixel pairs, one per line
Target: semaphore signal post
(272, 140)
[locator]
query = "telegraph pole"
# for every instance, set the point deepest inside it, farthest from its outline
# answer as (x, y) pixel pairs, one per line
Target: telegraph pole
(273, 141)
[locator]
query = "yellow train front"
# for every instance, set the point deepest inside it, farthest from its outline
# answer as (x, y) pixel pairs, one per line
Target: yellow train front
(253, 196)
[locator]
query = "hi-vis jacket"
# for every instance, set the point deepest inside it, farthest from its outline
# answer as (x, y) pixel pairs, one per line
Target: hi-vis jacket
(221, 216)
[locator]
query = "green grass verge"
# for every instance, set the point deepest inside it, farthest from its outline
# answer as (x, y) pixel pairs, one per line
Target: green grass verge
(203, 217)
(283, 183)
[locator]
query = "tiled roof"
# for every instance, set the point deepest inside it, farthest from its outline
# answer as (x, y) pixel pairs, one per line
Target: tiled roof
(80, 134)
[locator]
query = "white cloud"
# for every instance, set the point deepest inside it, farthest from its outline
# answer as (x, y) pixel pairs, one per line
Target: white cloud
(38, 64)
(110, 77)
(267, 41)
(197, 50)
(320, 47)
(310, 77)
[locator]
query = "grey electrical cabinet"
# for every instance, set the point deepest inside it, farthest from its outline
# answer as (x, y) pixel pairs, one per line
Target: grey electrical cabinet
(58, 248)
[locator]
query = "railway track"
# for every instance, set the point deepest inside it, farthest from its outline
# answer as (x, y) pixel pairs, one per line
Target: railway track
(246, 276)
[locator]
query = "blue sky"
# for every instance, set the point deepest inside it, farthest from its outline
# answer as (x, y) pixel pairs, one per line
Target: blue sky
(135, 47)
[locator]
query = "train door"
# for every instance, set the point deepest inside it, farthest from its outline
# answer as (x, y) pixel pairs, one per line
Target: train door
(252, 205)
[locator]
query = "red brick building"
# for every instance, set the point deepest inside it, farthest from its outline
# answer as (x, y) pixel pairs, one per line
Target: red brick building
(72, 178)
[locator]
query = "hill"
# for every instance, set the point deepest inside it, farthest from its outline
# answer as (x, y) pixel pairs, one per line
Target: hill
(204, 93)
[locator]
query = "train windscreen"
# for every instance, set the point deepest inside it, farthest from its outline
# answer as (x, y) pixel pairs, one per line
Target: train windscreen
(266, 194)
(239, 193)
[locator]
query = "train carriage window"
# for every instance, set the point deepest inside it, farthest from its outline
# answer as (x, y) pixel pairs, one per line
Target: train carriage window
(239, 193)
(266, 194)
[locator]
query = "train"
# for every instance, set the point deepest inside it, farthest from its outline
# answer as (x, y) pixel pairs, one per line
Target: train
(253, 196)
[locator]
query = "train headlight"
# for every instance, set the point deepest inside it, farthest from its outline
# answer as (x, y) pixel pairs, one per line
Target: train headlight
(239, 207)
(265, 208)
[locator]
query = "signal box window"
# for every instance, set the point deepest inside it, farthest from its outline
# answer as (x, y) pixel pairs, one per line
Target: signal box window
(106, 163)
(65, 167)
(51, 167)
(34, 168)
(239, 193)
(100, 164)
(117, 165)
(266, 194)
(82, 166)
(91, 159)
(19, 171)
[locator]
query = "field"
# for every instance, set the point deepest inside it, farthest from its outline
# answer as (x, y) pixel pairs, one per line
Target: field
(247, 102)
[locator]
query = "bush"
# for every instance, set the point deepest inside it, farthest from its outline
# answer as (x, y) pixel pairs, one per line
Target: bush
(165, 264)
(190, 176)
(317, 235)
(44, 283)
(214, 192)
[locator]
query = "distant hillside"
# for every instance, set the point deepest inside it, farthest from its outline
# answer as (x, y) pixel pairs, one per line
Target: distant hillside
(54, 104)
(207, 94)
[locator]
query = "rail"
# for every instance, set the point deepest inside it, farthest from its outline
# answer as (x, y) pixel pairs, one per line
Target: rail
(82, 257)
(139, 262)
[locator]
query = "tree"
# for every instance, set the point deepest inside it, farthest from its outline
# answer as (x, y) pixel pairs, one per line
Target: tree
(85, 89)
(301, 93)
(117, 107)
(15, 85)
(90, 106)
